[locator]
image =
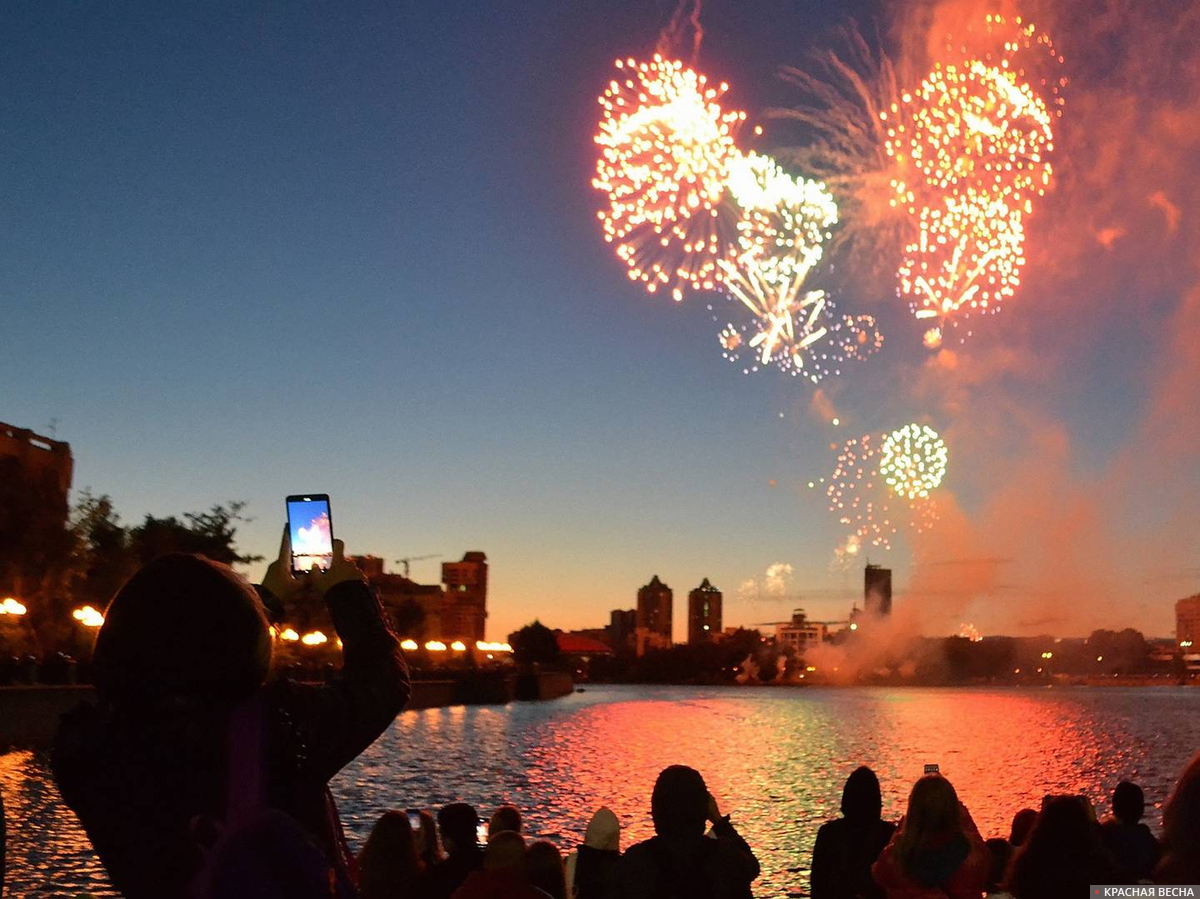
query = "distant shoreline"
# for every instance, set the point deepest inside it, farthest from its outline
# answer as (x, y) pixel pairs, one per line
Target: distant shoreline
(29, 714)
(1061, 681)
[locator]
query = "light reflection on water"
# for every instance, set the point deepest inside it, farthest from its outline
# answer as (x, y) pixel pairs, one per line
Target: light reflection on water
(775, 758)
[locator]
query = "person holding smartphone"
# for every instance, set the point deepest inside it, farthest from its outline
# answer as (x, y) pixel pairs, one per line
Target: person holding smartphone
(190, 739)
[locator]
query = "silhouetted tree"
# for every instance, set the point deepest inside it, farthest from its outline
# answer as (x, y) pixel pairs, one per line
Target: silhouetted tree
(535, 644)
(210, 534)
(36, 549)
(103, 560)
(1119, 652)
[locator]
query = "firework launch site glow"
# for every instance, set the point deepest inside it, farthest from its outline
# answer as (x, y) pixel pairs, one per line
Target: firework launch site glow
(666, 148)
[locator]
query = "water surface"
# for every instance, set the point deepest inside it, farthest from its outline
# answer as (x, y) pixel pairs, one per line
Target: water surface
(775, 758)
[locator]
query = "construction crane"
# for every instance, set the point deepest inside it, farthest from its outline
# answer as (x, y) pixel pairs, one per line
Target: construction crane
(408, 559)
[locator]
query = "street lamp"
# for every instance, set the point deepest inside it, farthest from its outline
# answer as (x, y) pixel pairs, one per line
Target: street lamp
(88, 617)
(10, 606)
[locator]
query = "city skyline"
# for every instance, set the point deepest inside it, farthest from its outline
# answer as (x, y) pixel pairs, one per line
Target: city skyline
(324, 205)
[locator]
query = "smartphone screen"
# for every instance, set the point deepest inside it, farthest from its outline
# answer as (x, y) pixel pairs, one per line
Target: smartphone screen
(481, 832)
(414, 819)
(311, 532)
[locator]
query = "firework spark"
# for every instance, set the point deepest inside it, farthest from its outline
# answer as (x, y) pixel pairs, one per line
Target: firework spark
(785, 220)
(970, 128)
(968, 255)
(913, 461)
(666, 148)
(855, 498)
(859, 337)
(784, 224)
(797, 333)
(870, 472)
(959, 161)
(1014, 45)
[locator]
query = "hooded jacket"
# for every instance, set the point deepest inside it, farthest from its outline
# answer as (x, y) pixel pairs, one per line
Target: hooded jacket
(143, 776)
(592, 868)
(847, 847)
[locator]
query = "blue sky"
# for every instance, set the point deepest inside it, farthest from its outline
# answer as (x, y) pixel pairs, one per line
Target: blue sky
(353, 250)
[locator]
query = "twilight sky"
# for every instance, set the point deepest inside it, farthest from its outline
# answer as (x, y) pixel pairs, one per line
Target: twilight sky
(353, 249)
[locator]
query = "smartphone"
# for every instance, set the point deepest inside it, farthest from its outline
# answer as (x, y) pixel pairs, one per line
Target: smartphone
(481, 832)
(932, 769)
(414, 819)
(311, 531)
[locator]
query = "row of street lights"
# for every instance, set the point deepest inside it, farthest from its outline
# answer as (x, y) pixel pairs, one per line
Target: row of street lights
(91, 617)
(85, 615)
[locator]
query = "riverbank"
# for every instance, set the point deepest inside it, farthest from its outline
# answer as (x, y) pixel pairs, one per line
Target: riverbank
(29, 714)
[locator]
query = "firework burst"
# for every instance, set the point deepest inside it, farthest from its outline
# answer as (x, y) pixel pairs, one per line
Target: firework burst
(842, 99)
(974, 129)
(855, 496)
(785, 221)
(967, 256)
(784, 225)
(796, 332)
(666, 147)
(942, 176)
(912, 461)
(870, 473)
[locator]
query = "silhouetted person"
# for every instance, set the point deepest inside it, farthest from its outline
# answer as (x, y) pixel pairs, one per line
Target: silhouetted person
(427, 839)
(389, 865)
(1129, 841)
(680, 861)
(1000, 853)
(189, 738)
(544, 868)
(1022, 823)
(592, 868)
(847, 847)
(3, 845)
(503, 875)
(1062, 855)
(1181, 830)
(270, 857)
(936, 849)
(507, 817)
(457, 823)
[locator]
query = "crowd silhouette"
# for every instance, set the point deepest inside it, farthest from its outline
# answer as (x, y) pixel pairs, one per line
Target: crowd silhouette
(196, 775)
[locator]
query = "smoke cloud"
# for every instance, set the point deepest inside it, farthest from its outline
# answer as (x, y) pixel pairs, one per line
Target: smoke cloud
(1053, 520)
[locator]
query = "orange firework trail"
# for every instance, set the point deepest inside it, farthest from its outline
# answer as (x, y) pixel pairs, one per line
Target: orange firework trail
(666, 148)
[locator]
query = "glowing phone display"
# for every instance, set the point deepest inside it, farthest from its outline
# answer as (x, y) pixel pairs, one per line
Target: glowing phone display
(311, 530)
